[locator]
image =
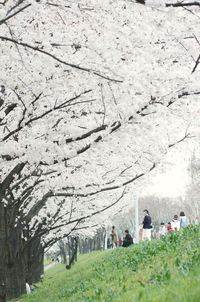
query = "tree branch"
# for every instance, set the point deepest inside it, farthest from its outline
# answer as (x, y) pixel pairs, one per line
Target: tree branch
(14, 14)
(20, 127)
(78, 220)
(89, 70)
(9, 178)
(186, 93)
(196, 64)
(181, 4)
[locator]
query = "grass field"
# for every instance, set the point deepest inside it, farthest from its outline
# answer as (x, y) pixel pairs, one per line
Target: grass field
(166, 270)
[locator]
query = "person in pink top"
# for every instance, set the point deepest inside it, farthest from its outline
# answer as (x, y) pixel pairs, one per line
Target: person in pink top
(162, 230)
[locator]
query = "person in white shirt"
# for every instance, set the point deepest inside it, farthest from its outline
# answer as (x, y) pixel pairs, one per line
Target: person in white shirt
(175, 223)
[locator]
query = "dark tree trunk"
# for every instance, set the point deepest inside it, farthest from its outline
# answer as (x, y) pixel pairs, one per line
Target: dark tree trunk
(62, 247)
(34, 255)
(73, 247)
(12, 269)
(12, 275)
(15, 264)
(2, 255)
(15, 279)
(37, 268)
(64, 257)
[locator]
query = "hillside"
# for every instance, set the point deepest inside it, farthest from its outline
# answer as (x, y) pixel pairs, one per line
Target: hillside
(164, 270)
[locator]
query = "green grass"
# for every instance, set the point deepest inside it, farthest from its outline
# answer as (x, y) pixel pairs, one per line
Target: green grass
(166, 270)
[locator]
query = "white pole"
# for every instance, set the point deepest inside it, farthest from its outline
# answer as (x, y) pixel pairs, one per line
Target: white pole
(135, 197)
(105, 243)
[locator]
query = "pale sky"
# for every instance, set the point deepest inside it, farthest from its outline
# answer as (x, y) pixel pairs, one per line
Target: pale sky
(173, 181)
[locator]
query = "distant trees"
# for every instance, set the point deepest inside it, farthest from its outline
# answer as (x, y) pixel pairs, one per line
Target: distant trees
(193, 192)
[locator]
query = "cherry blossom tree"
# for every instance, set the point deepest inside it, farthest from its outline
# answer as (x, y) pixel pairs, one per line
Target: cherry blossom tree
(93, 94)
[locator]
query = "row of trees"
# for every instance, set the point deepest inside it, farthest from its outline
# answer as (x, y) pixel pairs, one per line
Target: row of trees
(83, 102)
(68, 249)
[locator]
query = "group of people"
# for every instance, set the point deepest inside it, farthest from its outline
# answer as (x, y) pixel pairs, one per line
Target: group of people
(127, 240)
(146, 231)
(174, 226)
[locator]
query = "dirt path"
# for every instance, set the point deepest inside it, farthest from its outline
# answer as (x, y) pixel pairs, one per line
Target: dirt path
(48, 266)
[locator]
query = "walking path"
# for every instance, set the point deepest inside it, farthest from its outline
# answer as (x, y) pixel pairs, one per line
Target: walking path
(48, 266)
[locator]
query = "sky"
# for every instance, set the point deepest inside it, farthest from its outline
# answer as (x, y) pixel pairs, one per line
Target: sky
(173, 183)
(173, 178)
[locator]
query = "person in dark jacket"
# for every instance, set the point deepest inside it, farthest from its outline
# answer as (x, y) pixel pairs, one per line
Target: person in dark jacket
(147, 226)
(128, 240)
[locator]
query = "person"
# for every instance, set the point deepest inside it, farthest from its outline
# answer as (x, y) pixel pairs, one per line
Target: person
(114, 237)
(169, 227)
(183, 220)
(175, 223)
(28, 288)
(128, 239)
(147, 226)
(120, 241)
(162, 230)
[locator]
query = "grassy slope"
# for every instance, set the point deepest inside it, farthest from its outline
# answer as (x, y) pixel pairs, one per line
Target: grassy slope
(162, 270)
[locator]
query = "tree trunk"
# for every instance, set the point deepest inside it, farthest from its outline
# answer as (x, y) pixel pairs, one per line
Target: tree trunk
(12, 265)
(15, 279)
(63, 247)
(12, 275)
(34, 255)
(37, 268)
(2, 255)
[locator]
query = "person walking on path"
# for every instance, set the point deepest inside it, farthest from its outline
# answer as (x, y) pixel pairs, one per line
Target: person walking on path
(175, 223)
(114, 237)
(128, 239)
(147, 226)
(183, 220)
